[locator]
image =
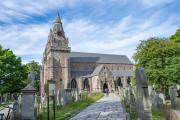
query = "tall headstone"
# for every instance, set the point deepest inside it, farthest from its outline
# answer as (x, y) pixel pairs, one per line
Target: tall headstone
(143, 103)
(132, 100)
(175, 102)
(157, 102)
(16, 111)
(31, 77)
(162, 96)
(28, 103)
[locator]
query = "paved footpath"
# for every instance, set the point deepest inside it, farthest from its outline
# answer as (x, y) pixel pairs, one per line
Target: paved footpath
(107, 108)
(5, 111)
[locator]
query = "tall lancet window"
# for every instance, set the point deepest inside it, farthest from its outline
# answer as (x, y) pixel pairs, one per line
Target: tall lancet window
(73, 83)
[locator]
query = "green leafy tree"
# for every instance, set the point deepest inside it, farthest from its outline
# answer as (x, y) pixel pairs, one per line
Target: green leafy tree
(176, 36)
(13, 75)
(36, 67)
(160, 57)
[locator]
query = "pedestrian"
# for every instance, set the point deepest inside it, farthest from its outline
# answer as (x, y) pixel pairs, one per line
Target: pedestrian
(107, 92)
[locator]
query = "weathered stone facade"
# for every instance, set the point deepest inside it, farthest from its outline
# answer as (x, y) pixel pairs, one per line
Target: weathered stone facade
(90, 71)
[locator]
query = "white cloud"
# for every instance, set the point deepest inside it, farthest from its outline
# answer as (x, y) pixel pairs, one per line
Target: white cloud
(11, 10)
(120, 37)
(24, 39)
(152, 3)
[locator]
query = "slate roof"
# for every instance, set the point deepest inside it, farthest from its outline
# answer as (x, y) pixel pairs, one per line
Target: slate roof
(98, 58)
(79, 73)
(117, 73)
(97, 70)
(84, 59)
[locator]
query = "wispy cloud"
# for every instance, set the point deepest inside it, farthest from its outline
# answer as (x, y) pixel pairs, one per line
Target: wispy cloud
(28, 39)
(120, 38)
(153, 3)
(11, 10)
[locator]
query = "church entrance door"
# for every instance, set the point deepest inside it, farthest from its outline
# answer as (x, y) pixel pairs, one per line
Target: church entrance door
(105, 86)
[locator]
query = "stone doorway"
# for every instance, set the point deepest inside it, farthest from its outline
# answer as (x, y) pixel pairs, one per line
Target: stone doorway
(105, 86)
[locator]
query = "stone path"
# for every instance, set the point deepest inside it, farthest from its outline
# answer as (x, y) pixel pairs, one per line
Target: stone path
(5, 111)
(107, 108)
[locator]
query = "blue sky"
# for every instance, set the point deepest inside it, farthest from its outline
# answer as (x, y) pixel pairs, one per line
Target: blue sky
(103, 26)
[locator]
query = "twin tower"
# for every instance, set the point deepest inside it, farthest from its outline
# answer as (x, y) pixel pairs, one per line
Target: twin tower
(55, 63)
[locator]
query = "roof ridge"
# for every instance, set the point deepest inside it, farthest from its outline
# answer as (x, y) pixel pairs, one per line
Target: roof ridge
(98, 53)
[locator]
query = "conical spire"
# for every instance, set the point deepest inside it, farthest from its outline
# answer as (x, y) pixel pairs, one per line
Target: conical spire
(58, 19)
(58, 25)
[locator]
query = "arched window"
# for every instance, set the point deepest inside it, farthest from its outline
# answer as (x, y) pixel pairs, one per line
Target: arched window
(86, 83)
(73, 83)
(119, 83)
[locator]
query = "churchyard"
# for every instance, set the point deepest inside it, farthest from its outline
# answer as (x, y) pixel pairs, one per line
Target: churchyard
(139, 102)
(152, 93)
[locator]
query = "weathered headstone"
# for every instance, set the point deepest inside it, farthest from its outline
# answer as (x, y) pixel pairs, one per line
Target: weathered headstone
(62, 98)
(16, 111)
(158, 102)
(175, 102)
(162, 96)
(143, 104)
(28, 101)
(31, 77)
(132, 100)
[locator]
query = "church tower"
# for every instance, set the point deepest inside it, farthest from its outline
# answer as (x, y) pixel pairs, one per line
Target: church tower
(55, 63)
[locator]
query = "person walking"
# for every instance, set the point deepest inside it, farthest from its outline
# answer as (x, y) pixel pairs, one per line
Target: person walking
(107, 92)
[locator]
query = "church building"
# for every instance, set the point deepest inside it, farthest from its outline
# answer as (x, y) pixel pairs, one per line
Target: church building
(81, 70)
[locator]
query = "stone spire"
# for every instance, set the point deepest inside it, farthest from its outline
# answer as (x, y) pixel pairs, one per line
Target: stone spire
(58, 28)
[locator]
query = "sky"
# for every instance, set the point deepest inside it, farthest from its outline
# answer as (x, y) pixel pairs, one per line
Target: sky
(97, 26)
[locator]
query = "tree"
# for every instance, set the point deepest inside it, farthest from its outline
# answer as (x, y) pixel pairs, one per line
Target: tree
(160, 57)
(13, 75)
(176, 36)
(36, 67)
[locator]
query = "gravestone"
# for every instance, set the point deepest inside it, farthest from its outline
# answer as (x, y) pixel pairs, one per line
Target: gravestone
(62, 97)
(162, 96)
(16, 111)
(178, 89)
(28, 102)
(175, 102)
(143, 103)
(31, 77)
(132, 100)
(158, 102)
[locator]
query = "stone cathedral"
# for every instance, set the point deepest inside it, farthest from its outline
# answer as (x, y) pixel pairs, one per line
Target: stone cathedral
(85, 71)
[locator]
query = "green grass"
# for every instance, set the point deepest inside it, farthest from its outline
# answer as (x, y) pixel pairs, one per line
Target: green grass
(158, 115)
(3, 105)
(71, 109)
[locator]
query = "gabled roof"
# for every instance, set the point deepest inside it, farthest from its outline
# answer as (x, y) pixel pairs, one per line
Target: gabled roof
(97, 70)
(98, 58)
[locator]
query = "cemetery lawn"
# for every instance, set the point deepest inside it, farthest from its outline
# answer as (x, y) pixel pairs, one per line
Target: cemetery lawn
(3, 105)
(69, 110)
(158, 115)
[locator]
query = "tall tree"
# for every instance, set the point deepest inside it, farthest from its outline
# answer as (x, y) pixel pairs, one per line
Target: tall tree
(36, 67)
(160, 57)
(176, 36)
(13, 75)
